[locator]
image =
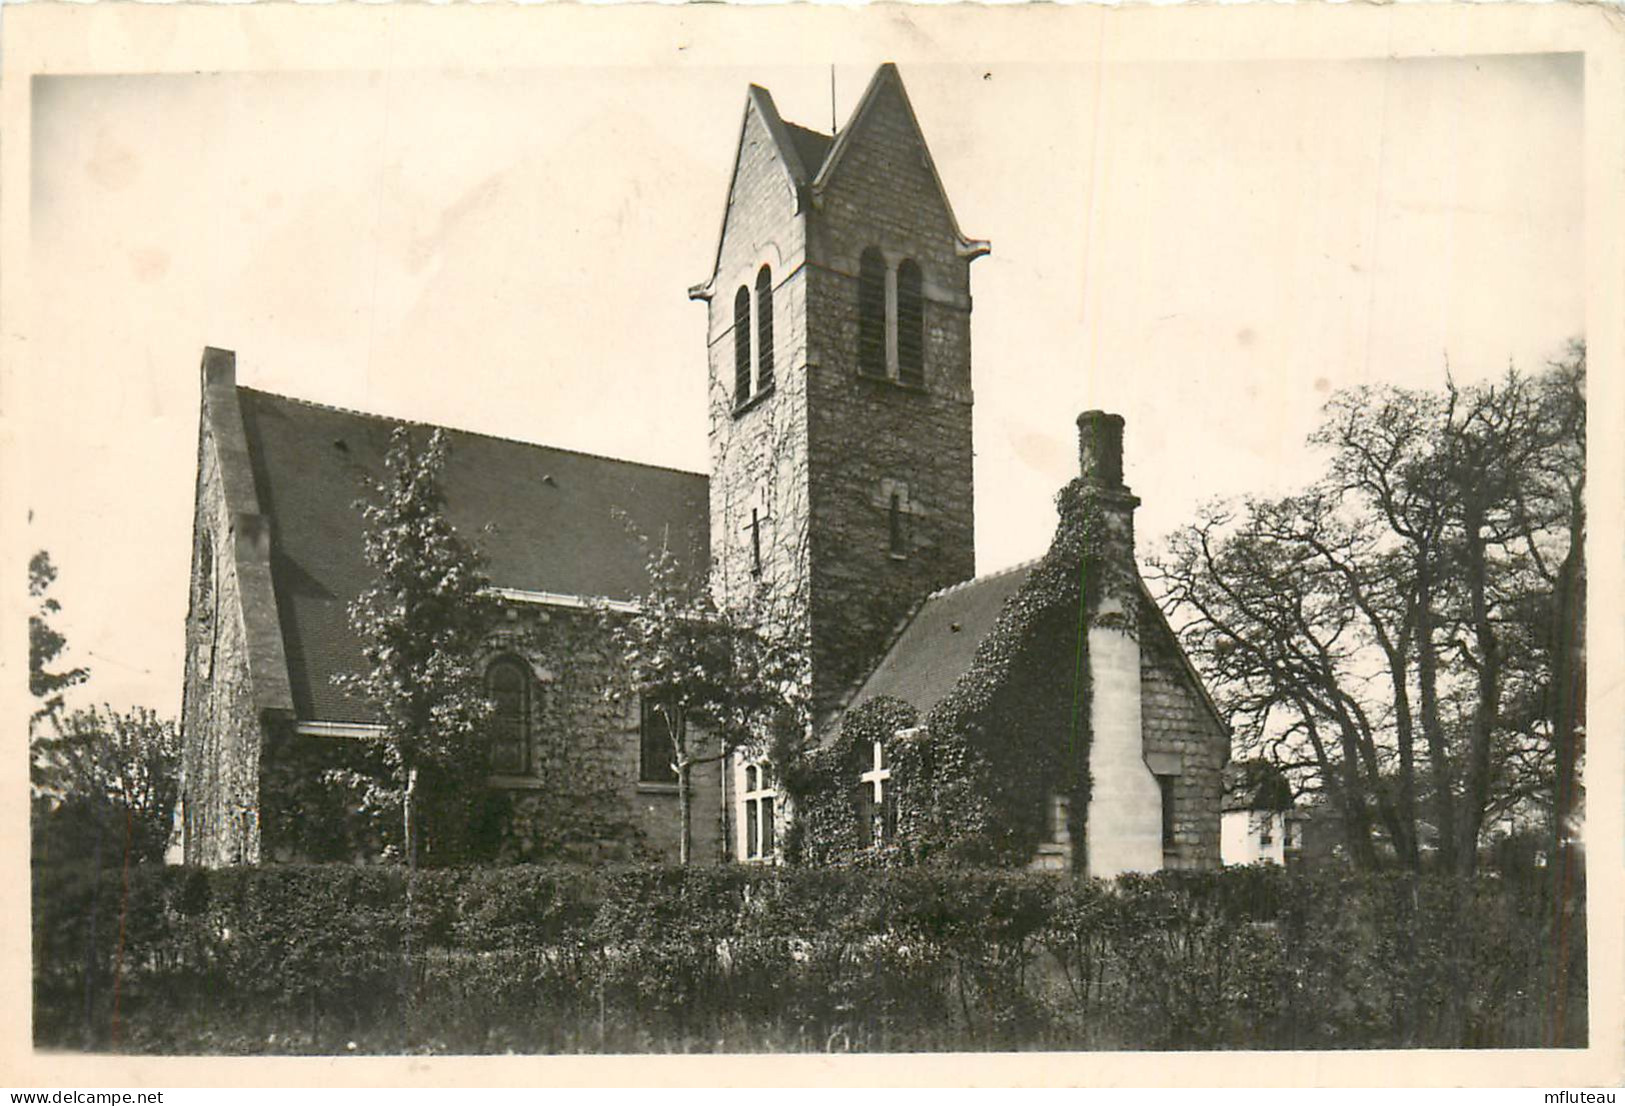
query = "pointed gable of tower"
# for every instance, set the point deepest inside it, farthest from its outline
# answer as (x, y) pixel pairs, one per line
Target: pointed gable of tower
(881, 149)
(774, 165)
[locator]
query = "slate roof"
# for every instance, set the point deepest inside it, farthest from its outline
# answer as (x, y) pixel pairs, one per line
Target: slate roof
(545, 519)
(811, 147)
(939, 642)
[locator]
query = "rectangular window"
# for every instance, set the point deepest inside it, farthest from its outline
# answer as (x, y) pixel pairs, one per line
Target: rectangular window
(755, 542)
(757, 796)
(656, 749)
(1060, 820)
(1166, 785)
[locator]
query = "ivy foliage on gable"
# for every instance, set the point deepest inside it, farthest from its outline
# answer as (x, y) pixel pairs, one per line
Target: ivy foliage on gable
(972, 783)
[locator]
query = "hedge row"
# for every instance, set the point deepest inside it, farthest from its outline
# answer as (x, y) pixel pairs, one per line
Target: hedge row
(538, 959)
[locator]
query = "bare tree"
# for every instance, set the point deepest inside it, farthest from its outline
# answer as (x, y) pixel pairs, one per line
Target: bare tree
(1426, 596)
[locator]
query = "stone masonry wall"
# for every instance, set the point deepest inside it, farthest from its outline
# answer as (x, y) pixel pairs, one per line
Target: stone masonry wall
(1176, 722)
(868, 437)
(221, 728)
(758, 446)
(580, 798)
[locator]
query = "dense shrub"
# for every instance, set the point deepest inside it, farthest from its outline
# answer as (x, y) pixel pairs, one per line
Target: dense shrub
(557, 959)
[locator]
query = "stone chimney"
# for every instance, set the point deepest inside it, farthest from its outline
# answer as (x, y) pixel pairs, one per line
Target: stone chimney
(1123, 828)
(1100, 450)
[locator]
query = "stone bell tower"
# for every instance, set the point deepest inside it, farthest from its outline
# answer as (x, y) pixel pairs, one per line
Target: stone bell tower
(840, 378)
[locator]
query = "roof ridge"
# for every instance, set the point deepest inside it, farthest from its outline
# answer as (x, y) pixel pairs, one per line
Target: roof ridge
(1007, 570)
(401, 420)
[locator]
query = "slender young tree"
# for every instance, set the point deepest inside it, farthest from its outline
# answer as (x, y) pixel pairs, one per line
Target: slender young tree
(719, 679)
(421, 624)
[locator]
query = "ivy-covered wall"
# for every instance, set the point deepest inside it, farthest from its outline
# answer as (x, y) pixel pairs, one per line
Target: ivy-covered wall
(972, 784)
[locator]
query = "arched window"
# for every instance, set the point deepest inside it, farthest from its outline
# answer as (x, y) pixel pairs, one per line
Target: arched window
(507, 684)
(764, 329)
(872, 313)
(910, 326)
(742, 345)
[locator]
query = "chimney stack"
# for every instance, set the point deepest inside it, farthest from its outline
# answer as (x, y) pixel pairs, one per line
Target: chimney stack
(1124, 821)
(1100, 449)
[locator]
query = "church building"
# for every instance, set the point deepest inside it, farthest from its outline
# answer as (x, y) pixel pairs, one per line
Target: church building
(840, 432)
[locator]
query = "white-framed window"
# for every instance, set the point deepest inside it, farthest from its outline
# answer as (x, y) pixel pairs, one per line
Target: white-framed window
(758, 827)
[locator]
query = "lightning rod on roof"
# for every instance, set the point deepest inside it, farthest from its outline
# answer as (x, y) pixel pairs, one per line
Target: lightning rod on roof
(832, 98)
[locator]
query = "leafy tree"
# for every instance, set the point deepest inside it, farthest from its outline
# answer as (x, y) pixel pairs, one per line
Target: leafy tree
(1406, 634)
(112, 770)
(45, 645)
(719, 679)
(421, 624)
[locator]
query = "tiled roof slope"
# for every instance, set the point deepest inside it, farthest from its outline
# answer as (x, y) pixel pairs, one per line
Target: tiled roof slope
(939, 642)
(545, 519)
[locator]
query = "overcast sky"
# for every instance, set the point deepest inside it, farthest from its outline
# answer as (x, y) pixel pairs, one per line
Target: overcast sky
(1208, 249)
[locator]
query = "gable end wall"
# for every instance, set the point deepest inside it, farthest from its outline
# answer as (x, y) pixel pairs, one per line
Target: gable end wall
(1176, 722)
(220, 728)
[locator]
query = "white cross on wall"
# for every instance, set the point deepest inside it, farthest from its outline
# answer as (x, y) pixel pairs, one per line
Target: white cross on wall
(878, 776)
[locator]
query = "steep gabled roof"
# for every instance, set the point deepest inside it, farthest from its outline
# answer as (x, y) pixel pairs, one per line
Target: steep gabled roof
(939, 642)
(545, 519)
